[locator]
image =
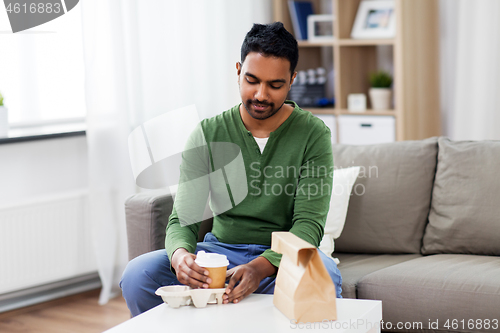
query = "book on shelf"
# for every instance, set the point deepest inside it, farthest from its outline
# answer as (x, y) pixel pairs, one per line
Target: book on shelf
(299, 11)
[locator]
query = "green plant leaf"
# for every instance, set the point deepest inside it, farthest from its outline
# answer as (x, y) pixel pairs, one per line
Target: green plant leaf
(380, 79)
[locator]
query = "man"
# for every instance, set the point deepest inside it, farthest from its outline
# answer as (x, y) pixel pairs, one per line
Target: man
(288, 166)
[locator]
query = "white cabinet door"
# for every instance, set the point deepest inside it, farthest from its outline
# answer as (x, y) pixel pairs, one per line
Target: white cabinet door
(366, 130)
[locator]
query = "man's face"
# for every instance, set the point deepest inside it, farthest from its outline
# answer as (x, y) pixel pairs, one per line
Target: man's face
(264, 84)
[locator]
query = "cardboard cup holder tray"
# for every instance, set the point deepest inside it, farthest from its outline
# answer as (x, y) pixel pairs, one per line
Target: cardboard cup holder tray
(176, 296)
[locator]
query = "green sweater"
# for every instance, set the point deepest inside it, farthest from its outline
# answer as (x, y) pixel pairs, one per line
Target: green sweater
(289, 184)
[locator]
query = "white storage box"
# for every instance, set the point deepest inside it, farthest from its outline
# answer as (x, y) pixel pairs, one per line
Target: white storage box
(366, 130)
(329, 120)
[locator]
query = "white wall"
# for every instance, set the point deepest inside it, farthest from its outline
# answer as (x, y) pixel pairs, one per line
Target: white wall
(34, 169)
(44, 223)
(448, 29)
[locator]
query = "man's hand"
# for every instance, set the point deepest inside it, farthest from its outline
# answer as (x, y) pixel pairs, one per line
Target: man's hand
(249, 277)
(187, 271)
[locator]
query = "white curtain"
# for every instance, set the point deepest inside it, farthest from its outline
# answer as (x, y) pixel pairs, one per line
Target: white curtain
(142, 59)
(470, 69)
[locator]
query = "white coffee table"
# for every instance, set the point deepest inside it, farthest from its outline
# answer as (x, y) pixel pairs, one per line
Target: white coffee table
(256, 313)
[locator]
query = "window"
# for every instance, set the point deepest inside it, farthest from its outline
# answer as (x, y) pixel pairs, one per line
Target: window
(42, 70)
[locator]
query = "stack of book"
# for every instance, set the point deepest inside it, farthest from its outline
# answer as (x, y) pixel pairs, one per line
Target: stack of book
(299, 11)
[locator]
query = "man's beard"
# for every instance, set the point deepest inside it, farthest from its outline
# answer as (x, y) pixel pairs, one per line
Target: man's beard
(261, 115)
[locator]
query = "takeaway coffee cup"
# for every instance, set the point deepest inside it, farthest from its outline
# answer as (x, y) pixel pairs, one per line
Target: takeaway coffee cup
(216, 265)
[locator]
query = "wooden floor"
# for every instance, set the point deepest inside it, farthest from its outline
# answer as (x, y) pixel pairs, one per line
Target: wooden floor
(76, 314)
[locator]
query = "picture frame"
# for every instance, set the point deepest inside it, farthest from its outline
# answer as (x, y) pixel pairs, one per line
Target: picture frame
(375, 19)
(356, 102)
(320, 28)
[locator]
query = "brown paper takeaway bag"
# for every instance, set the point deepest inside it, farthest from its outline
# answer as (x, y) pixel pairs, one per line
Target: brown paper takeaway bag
(304, 290)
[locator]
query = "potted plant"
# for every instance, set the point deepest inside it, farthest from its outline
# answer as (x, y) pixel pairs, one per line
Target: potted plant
(4, 118)
(380, 91)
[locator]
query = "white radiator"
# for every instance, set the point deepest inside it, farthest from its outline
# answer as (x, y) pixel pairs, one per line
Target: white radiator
(45, 240)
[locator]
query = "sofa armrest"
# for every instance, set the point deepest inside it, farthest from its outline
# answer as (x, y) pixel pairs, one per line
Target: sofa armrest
(146, 215)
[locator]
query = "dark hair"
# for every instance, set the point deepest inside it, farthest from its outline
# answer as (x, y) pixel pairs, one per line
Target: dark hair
(271, 40)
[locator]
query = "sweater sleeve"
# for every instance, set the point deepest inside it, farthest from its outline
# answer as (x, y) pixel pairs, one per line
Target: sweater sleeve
(312, 197)
(191, 197)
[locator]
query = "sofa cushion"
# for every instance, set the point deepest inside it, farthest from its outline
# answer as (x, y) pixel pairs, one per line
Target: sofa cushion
(465, 209)
(354, 267)
(438, 288)
(391, 197)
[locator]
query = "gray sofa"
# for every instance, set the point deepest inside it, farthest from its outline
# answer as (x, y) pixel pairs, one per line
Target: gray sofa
(422, 232)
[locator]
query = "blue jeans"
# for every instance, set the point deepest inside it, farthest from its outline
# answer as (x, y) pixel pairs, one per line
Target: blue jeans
(148, 272)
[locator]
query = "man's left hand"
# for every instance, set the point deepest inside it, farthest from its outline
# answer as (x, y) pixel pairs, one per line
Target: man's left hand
(249, 277)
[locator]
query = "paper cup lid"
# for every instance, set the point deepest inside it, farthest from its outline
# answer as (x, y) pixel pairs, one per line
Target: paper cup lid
(204, 259)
